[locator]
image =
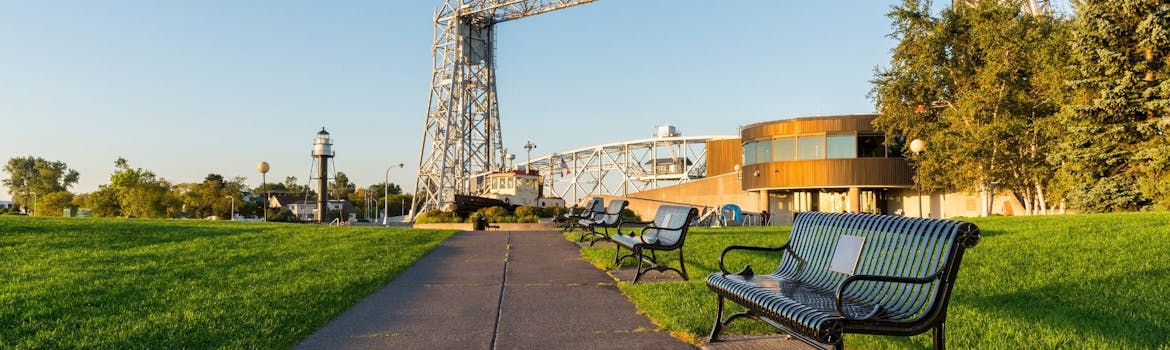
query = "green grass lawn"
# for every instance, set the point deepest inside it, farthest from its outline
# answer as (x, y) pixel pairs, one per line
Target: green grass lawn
(117, 283)
(1078, 281)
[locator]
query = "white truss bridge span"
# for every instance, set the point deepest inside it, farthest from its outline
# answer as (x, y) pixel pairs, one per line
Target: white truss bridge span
(621, 168)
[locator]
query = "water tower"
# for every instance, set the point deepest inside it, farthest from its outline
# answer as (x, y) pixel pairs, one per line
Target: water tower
(322, 151)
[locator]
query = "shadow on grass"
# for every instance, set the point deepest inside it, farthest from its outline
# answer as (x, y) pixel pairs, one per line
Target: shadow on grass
(118, 234)
(1080, 308)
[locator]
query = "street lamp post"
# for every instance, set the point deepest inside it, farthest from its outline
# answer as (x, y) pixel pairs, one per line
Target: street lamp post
(386, 195)
(263, 168)
(529, 146)
(232, 213)
(917, 146)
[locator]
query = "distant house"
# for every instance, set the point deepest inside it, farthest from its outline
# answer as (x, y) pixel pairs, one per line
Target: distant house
(284, 200)
(306, 210)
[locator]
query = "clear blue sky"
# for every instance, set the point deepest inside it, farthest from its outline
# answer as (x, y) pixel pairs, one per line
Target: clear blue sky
(187, 88)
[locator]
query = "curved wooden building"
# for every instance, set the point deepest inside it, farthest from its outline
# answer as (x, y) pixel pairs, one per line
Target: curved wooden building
(829, 164)
(834, 163)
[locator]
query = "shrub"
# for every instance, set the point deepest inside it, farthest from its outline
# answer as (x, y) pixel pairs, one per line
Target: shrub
(438, 217)
(528, 219)
(527, 211)
(281, 215)
(630, 215)
(493, 211)
(553, 212)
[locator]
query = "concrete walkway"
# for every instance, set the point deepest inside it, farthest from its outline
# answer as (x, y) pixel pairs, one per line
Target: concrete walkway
(496, 290)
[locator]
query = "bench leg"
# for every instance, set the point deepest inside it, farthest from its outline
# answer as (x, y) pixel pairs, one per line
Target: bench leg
(940, 335)
(683, 264)
(595, 235)
(617, 256)
(720, 322)
(638, 255)
(718, 328)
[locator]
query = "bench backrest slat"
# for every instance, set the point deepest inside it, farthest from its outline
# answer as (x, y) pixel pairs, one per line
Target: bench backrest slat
(613, 213)
(596, 209)
(672, 216)
(894, 246)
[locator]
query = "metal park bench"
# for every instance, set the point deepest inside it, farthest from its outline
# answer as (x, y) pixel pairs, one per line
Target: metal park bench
(611, 217)
(852, 273)
(571, 219)
(668, 231)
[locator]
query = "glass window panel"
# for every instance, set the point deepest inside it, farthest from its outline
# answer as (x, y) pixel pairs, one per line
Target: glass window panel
(841, 146)
(784, 149)
(870, 146)
(749, 153)
(810, 147)
(764, 151)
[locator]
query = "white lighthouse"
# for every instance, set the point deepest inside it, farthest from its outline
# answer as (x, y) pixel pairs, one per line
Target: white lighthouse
(322, 151)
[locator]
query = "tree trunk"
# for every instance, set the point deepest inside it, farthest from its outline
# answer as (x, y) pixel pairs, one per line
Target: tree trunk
(1027, 201)
(1043, 205)
(987, 198)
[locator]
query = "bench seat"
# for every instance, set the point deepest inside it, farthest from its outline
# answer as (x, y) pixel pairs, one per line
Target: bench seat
(792, 303)
(667, 232)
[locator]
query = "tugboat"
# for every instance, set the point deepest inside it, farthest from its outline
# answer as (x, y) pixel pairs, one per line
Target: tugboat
(508, 189)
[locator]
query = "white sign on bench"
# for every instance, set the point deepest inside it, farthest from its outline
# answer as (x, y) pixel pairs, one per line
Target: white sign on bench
(846, 255)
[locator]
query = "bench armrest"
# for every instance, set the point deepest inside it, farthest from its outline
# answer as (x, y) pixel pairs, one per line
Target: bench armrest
(632, 223)
(747, 269)
(875, 278)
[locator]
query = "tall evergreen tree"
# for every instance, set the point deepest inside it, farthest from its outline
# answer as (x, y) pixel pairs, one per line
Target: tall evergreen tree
(1116, 154)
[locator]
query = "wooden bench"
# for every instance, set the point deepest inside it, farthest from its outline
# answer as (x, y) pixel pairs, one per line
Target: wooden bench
(611, 217)
(668, 231)
(851, 273)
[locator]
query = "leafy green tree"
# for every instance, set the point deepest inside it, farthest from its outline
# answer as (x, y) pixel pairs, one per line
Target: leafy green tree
(399, 204)
(341, 187)
(211, 197)
(292, 187)
(29, 175)
(979, 85)
(52, 204)
(1116, 152)
(393, 194)
(380, 188)
(104, 202)
(141, 193)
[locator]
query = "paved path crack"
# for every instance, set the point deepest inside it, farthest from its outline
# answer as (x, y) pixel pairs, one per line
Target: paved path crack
(503, 282)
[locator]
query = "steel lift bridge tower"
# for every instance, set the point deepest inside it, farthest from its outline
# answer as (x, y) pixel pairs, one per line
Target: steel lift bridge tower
(462, 136)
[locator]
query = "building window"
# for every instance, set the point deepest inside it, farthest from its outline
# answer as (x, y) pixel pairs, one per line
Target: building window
(764, 151)
(810, 147)
(841, 146)
(803, 201)
(749, 153)
(784, 149)
(870, 146)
